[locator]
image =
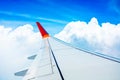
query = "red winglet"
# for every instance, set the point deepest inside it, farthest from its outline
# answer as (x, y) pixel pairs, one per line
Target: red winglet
(43, 32)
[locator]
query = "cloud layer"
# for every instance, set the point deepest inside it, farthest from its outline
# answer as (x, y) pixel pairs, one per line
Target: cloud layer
(91, 36)
(15, 46)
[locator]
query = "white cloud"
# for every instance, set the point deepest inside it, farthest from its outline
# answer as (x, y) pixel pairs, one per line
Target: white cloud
(15, 46)
(91, 36)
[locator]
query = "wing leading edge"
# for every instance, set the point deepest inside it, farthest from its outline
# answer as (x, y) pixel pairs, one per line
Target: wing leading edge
(57, 60)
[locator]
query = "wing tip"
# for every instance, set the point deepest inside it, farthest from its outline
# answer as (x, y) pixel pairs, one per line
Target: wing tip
(43, 32)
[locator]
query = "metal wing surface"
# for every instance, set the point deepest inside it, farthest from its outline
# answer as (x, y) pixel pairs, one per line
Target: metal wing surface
(58, 60)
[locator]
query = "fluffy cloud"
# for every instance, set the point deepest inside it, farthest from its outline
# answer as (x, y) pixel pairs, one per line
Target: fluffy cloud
(15, 46)
(91, 36)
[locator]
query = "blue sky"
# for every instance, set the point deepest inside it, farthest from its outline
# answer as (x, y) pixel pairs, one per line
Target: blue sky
(57, 13)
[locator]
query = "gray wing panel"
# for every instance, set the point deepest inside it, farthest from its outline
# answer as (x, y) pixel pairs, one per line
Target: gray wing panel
(43, 67)
(74, 64)
(80, 65)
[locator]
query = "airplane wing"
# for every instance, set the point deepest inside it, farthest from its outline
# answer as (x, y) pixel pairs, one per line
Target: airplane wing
(58, 60)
